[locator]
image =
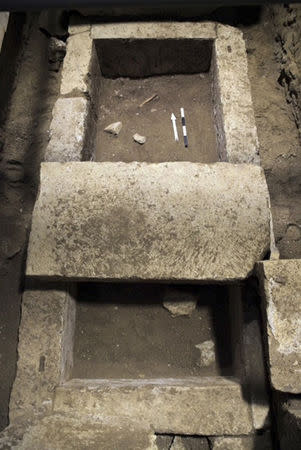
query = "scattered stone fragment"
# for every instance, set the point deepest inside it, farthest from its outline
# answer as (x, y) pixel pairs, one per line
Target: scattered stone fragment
(140, 139)
(207, 356)
(293, 232)
(179, 302)
(114, 128)
(180, 308)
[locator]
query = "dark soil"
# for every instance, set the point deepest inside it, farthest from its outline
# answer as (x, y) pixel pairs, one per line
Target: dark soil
(123, 331)
(120, 100)
(278, 133)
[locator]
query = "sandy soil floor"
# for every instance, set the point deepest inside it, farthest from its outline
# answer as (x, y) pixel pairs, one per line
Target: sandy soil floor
(123, 331)
(120, 100)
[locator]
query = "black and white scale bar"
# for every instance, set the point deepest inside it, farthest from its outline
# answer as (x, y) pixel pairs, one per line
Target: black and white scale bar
(184, 127)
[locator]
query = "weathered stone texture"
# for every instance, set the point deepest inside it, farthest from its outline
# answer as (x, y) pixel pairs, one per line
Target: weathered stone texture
(67, 130)
(77, 65)
(149, 221)
(234, 114)
(166, 406)
(281, 284)
(154, 30)
(45, 341)
(61, 433)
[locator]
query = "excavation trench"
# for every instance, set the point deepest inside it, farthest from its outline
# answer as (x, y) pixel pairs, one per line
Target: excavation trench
(142, 83)
(143, 331)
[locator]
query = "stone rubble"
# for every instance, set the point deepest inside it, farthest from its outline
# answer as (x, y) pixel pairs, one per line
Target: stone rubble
(114, 128)
(207, 350)
(139, 139)
(179, 302)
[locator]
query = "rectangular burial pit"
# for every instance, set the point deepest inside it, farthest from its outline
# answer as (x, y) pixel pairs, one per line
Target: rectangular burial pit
(176, 72)
(137, 331)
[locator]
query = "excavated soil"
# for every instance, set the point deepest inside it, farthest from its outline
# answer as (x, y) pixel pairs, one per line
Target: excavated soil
(278, 133)
(123, 331)
(120, 100)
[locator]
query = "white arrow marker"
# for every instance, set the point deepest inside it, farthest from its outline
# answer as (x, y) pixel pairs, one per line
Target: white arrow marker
(173, 119)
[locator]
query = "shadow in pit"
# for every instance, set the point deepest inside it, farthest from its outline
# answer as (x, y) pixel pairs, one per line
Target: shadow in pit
(251, 364)
(151, 330)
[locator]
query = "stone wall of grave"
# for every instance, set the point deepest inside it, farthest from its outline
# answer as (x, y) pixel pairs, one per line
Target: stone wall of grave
(72, 135)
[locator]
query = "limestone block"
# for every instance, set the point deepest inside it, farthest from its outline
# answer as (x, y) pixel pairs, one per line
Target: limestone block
(154, 30)
(64, 433)
(77, 65)
(67, 130)
(205, 406)
(44, 349)
(207, 353)
(168, 221)
(234, 114)
(281, 286)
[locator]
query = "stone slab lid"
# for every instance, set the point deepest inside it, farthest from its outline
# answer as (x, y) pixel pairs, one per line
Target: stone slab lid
(139, 221)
